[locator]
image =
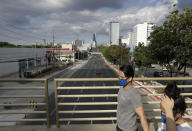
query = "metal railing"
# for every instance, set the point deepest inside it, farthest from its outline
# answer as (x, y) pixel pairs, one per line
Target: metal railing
(59, 112)
(59, 88)
(30, 106)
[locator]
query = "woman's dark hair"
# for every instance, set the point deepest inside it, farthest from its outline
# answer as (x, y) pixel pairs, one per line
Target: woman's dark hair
(179, 106)
(172, 91)
(127, 70)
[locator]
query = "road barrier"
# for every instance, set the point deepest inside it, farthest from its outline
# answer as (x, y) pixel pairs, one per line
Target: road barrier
(16, 94)
(59, 88)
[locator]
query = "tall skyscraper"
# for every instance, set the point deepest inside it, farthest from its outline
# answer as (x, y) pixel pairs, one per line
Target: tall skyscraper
(94, 40)
(141, 32)
(114, 33)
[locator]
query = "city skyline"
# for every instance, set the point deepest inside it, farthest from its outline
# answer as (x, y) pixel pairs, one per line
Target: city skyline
(24, 21)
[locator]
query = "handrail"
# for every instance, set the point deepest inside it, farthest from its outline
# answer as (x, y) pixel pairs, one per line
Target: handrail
(21, 88)
(113, 95)
(104, 103)
(79, 95)
(24, 112)
(108, 111)
(23, 104)
(106, 118)
(23, 120)
(114, 87)
(115, 79)
(22, 80)
(32, 104)
(22, 96)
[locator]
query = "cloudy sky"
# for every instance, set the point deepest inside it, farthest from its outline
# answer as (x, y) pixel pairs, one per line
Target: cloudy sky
(30, 21)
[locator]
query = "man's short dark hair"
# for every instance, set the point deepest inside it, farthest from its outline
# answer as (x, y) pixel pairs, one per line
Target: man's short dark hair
(127, 70)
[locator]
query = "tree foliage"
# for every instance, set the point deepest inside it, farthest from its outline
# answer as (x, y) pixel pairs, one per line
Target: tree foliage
(7, 45)
(116, 54)
(142, 56)
(171, 43)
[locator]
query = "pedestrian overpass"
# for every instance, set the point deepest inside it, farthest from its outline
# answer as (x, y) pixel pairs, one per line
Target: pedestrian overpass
(41, 98)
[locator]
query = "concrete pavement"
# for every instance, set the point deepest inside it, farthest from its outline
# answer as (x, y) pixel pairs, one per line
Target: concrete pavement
(81, 127)
(189, 70)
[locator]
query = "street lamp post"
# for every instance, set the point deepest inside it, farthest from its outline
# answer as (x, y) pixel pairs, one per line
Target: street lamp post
(120, 43)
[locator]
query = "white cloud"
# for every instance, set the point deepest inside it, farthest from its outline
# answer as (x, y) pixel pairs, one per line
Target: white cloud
(49, 4)
(76, 29)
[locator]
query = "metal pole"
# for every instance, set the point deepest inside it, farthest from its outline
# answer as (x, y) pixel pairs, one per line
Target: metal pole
(56, 105)
(120, 49)
(47, 103)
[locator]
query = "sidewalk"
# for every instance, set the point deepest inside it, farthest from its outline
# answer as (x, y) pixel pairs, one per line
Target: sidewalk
(82, 127)
(189, 70)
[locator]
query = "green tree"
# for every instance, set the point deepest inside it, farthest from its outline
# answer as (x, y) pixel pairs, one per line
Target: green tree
(171, 43)
(116, 54)
(142, 57)
(6, 45)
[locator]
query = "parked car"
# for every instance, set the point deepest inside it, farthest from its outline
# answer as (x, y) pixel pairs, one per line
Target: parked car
(158, 74)
(164, 68)
(182, 73)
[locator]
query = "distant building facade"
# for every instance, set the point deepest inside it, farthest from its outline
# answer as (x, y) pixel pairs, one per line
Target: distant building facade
(78, 43)
(85, 47)
(114, 33)
(140, 33)
(126, 39)
(65, 53)
(67, 46)
(94, 41)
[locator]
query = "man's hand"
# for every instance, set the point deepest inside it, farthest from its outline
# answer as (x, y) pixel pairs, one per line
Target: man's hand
(167, 104)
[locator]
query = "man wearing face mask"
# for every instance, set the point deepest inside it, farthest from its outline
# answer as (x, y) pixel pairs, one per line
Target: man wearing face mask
(129, 102)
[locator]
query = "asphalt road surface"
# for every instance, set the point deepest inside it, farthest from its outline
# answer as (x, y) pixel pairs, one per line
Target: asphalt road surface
(95, 68)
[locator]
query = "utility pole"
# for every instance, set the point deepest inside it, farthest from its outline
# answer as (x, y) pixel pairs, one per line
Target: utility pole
(53, 39)
(120, 43)
(35, 54)
(53, 48)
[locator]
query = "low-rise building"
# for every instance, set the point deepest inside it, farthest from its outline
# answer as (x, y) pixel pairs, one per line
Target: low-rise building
(85, 47)
(67, 46)
(126, 39)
